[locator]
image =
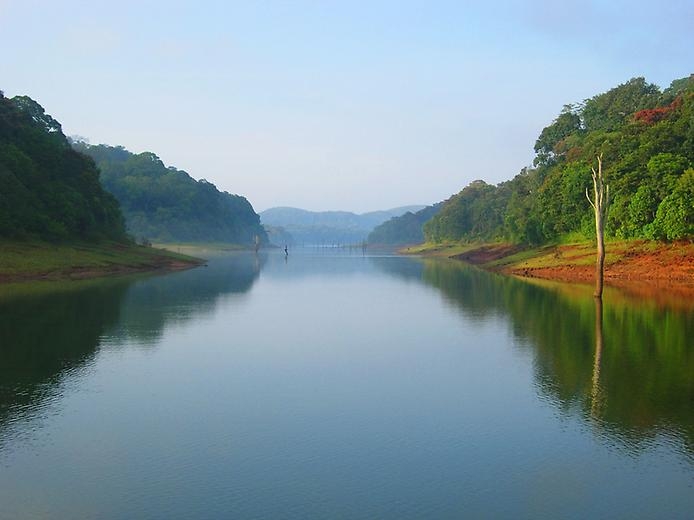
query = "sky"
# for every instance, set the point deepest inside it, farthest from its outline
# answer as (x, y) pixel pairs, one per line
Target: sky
(333, 105)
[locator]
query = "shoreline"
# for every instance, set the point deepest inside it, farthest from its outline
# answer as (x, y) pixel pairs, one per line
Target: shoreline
(22, 262)
(638, 266)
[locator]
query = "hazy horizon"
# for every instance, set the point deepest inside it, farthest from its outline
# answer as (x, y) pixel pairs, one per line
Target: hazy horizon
(343, 210)
(333, 106)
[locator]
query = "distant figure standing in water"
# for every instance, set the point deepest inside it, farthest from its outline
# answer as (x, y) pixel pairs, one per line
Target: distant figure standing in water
(286, 252)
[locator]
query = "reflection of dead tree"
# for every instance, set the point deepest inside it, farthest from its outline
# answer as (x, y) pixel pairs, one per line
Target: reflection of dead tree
(596, 396)
(601, 198)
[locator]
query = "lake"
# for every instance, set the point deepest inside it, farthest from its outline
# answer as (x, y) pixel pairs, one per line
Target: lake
(333, 384)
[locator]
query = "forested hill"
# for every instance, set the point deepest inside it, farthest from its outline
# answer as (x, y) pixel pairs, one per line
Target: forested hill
(646, 137)
(48, 190)
(328, 227)
(166, 204)
(405, 229)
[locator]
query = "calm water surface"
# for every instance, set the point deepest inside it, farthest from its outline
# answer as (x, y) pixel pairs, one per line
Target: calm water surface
(332, 385)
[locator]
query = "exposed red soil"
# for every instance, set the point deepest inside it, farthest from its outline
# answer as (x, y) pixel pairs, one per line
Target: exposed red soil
(637, 268)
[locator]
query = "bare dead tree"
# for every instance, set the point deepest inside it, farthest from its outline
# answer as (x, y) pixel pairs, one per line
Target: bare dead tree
(600, 201)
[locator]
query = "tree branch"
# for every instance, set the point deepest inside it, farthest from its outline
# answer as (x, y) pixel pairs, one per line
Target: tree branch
(588, 197)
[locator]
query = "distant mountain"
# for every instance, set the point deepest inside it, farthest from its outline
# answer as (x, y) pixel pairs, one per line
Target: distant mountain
(405, 229)
(328, 227)
(278, 236)
(166, 204)
(48, 190)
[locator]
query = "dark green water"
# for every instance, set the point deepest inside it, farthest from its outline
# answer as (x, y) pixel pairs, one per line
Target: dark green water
(332, 385)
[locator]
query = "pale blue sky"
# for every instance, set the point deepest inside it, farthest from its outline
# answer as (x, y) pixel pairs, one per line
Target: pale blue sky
(353, 105)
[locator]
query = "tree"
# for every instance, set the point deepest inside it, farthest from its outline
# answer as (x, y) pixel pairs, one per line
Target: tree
(609, 111)
(165, 204)
(648, 136)
(675, 216)
(48, 190)
(546, 146)
(601, 199)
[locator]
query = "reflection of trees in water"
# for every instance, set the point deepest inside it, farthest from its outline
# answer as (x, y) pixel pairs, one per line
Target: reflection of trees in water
(633, 374)
(180, 297)
(396, 267)
(46, 335)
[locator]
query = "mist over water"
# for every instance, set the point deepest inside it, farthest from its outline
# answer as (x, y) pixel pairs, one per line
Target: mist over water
(333, 384)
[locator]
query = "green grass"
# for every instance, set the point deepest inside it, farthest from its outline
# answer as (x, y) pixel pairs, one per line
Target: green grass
(447, 249)
(197, 246)
(522, 257)
(199, 249)
(26, 260)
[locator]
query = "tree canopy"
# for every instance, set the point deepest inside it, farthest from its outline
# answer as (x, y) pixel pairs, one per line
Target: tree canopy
(404, 229)
(166, 204)
(48, 190)
(646, 137)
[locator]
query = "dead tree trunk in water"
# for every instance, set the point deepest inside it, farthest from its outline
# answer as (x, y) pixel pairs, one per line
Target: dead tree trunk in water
(601, 198)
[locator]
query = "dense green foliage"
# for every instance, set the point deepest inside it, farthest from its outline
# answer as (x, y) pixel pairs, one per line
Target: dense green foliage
(48, 190)
(166, 204)
(405, 229)
(646, 137)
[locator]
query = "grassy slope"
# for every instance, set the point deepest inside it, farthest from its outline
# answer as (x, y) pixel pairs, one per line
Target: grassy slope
(21, 261)
(199, 248)
(444, 250)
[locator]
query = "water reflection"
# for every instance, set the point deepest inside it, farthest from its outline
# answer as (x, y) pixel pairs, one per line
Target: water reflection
(375, 387)
(151, 304)
(394, 266)
(45, 334)
(48, 332)
(596, 394)
(308, 262)
(627, 367)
